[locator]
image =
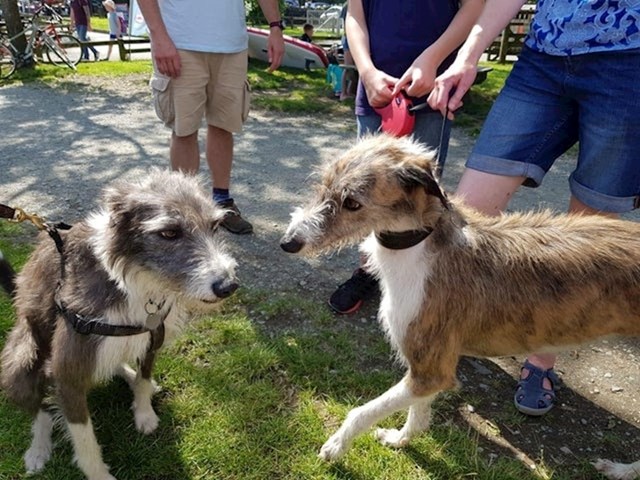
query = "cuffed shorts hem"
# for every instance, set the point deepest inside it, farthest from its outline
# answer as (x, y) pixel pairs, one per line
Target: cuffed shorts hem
(532, 173)
(600, 201)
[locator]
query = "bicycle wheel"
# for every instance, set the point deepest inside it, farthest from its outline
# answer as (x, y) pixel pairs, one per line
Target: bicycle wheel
(71, 46)
(59, 49)
(7, 62)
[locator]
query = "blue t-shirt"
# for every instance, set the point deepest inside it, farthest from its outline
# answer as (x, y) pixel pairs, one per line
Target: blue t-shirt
(573, 27)
(399, 31)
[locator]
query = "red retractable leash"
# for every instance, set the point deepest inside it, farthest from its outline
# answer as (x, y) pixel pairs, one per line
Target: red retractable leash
(398, 117)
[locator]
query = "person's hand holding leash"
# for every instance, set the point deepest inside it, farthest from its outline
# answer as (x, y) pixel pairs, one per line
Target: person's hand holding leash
(419, 78)
(451, 86)
(379, 87)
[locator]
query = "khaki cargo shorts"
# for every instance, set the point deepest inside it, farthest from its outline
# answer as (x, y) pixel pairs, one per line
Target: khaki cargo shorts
(211, 85)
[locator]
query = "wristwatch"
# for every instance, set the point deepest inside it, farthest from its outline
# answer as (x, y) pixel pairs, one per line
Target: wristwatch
(278, 24)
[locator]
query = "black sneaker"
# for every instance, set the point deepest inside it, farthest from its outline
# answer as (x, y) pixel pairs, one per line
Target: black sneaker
(233, 221)
(349, 296)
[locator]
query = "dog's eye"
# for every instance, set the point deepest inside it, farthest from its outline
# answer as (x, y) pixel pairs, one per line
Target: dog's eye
(351, 204)
(171, 234)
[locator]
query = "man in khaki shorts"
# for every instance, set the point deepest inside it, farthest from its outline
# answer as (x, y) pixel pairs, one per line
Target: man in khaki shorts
(199, 51)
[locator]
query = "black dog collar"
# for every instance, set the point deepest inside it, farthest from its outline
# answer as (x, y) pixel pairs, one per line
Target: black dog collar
(85, 326)
(402, 240)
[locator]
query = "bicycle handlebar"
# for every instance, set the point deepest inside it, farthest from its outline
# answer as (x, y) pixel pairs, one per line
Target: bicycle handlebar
(50, 11)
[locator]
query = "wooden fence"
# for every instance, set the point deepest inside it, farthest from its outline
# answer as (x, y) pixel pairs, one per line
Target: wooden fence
(511, 39)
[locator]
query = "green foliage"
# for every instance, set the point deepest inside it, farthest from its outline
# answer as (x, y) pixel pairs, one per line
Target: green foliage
(254, 13)
(292, 91)
(238, 403)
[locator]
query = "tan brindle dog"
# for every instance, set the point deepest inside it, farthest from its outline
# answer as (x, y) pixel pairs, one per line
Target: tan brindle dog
(455, 282)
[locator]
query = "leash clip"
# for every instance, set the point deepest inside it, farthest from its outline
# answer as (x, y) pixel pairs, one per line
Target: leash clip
(20, 216)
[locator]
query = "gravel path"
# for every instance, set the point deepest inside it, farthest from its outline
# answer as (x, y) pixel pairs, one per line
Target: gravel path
(61, 144)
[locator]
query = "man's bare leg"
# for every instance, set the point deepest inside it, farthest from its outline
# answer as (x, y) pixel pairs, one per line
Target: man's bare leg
(184, 153)
(219, 156)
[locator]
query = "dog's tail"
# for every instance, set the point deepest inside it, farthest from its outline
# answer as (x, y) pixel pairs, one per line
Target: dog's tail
(7, 276)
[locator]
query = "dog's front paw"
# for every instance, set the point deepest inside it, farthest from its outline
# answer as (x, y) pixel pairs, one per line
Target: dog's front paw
(617, 471)
(391, 437)
(146, 421)
(334, 448)
(36, 458)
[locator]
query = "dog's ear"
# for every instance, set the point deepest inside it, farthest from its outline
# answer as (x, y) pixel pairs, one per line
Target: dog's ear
(413, 176)
(118, 202)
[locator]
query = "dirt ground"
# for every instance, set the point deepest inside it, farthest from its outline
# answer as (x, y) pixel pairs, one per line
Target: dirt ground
(61, 144)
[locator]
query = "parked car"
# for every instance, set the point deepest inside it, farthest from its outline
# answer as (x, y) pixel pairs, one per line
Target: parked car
(331, 12)
(291, 3)
(319, 5)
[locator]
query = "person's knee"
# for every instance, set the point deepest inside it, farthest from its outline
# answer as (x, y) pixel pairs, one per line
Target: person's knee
(191, 137)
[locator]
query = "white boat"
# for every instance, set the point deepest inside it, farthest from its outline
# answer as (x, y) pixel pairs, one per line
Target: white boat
(297, 53)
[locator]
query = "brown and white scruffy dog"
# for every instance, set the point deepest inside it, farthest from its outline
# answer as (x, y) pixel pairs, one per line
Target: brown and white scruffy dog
(150, 256)
(470, 284)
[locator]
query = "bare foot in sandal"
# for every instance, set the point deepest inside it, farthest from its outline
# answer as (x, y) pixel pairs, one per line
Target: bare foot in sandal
(535, 393)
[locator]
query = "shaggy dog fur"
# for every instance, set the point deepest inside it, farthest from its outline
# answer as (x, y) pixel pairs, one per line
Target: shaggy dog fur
(150, 254)
(476, 285)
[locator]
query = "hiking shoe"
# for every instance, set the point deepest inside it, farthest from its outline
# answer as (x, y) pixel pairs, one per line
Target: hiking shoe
(349, 296)
(233, 221)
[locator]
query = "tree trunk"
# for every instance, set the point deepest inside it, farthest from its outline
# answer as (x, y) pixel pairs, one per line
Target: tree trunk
(13, 21)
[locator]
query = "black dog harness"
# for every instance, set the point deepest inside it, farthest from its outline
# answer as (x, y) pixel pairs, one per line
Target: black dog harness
(80, 323)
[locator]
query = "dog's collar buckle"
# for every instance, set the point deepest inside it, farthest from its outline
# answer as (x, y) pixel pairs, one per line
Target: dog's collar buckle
(402, 240)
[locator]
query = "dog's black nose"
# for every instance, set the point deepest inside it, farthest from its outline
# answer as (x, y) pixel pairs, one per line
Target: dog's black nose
(292, 245)
(223, 288)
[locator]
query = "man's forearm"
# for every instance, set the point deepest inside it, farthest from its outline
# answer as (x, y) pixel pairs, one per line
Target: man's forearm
(152, 17)
(457, 31)
(270, 9)
(358, 36)
(494, 18)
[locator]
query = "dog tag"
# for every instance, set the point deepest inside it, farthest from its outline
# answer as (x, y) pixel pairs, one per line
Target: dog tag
(154, 317)
(153, 321)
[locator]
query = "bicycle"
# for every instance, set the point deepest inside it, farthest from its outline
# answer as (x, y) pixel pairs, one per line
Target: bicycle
(59, 48)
